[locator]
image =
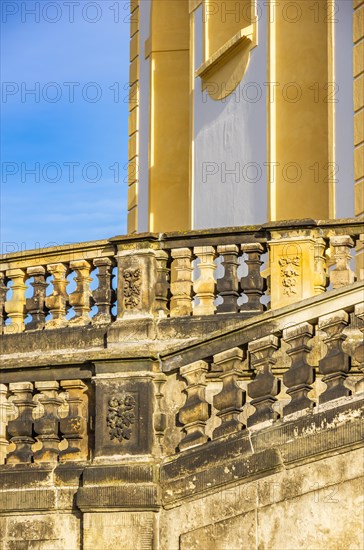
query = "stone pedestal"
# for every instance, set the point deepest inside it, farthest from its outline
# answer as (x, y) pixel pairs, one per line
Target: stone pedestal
(124, 415)
(296, 268)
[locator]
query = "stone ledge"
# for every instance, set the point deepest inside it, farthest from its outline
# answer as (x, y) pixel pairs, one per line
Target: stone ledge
(75, 338)
(105, 475)
(314, 423)
(245, 468)
(127, 339)
(204, 456)
(124, 497)
(28, 500)
(313, 447)
(69, 474)
(13, 476)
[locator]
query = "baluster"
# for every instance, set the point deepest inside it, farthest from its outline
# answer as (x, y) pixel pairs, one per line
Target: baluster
(58, 301)
(359, 351)
(4, 412)
(162, 286)
(3, 292)
(159, 418)
(321, 274)
(228, 285)
(74, 426)
(21, 428)
(300, 376)
(80, 299)
(36, 304)
(15, 307)
(253, 284)
(204, 286)
(266, 274)
(104, 294)
(181, 282)
(46, 421)
(230, 400)
(265, 387)
(342, 274)
(196, 411)
(335, 365)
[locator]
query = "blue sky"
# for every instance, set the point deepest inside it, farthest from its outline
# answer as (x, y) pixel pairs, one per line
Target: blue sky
(64, 147)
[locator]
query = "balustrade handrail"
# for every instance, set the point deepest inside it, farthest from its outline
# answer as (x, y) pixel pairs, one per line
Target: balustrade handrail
(258, 233)
(262, 376)
(55, 254)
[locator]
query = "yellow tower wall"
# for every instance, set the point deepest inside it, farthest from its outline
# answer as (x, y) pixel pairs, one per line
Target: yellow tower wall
(290, 51)
(302, 111)
(169, 194)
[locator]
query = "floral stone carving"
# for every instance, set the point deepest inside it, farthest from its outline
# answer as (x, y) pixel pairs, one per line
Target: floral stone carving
(289, 273)
(120, 416)
(132, 284)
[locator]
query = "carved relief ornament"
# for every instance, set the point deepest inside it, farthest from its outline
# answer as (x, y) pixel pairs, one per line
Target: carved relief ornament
(120, 416)
(290, 271)
(132, 284)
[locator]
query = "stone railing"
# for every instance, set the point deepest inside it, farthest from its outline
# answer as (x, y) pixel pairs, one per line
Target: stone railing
(176, 274)
(295, 369)
(45, 421)
(49, 272)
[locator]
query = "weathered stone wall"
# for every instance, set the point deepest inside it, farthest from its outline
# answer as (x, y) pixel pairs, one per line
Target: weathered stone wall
(312, 506)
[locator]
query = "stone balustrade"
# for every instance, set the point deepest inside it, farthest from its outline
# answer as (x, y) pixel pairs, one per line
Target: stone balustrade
(241, 271)
(298, 369)
(51, 288)
(45, 421)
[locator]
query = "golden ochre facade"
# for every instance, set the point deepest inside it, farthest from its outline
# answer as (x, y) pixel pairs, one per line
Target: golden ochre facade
(245, 99)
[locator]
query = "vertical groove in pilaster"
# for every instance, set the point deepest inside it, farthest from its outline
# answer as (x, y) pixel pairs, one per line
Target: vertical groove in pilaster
(358, 67)
(133, 149)
(358, 75)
